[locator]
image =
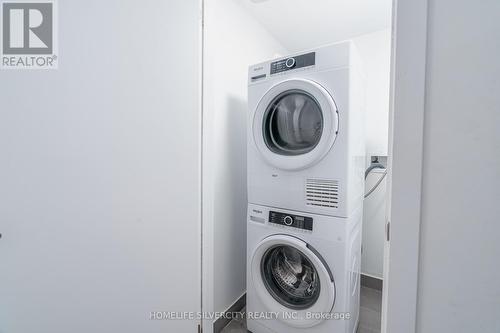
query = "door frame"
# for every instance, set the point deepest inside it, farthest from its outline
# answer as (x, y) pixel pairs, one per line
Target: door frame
(406, 129)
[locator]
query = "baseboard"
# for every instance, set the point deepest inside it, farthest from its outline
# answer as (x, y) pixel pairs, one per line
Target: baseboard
(372, 282)
(220, 323)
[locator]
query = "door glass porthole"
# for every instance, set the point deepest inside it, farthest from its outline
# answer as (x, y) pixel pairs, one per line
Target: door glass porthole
(293, 123)
(290, 277)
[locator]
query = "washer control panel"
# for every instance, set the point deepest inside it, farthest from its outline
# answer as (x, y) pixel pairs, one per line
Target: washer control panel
(295, 62)
(290, 220)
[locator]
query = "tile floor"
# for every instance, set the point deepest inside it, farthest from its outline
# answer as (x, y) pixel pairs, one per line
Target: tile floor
(370, 311)
(369, 316)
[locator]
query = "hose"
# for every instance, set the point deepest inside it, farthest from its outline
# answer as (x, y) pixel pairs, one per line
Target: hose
(376, 185)
(375, 165)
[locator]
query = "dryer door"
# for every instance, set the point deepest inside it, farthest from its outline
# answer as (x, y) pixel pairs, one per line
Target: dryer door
(295, 124)
(290, 277)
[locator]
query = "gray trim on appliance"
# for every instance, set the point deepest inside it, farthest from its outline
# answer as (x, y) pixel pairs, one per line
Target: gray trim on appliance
(313, 250)
(254, 78)
(310, 247)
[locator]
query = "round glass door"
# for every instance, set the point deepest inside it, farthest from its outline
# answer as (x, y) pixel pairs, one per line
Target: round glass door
(290, 277)
(293, 123)
(287, 274)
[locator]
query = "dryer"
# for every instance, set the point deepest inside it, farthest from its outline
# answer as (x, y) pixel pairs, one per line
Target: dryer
(305, 131)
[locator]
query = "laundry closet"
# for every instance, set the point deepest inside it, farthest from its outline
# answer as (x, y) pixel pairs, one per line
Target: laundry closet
(260, 40)
(124, 170)
(219, 166)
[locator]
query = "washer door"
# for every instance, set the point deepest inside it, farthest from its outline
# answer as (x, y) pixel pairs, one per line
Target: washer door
(295, 124)
(289, 276)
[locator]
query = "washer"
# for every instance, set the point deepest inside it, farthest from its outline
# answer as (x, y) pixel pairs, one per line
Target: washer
(305, 137)
(302, 271)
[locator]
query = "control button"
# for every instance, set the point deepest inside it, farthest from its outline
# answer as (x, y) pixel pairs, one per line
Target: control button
(288, 220)
(290, 62)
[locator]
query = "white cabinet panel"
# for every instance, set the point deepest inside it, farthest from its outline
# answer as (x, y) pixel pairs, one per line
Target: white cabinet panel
(100, 174)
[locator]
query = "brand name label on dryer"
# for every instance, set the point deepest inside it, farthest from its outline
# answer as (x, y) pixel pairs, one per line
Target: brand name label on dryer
(290, 220)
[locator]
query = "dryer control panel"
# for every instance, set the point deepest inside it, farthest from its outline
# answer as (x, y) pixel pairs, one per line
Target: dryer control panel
(295, 62)
(290, 220)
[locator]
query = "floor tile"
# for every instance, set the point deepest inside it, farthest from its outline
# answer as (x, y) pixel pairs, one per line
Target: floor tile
(371, 298)
(369, 314)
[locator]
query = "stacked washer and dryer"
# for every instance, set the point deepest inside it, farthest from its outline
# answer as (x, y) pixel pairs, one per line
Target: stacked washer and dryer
(306, 163)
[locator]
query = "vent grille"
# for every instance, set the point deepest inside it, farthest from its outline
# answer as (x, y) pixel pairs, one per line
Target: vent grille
(322, 193)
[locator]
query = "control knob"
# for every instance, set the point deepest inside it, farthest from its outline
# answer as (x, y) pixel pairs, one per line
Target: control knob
(290, 62)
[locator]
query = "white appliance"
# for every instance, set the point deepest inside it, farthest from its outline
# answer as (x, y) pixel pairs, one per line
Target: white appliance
(305, 190)
(302, 271)
(305, 138)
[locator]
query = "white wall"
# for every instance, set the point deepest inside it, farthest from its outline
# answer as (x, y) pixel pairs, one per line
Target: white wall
(304, 24)
(100, 173)
(459, 273)
(375, 52)
(233, 41)
(374, 217)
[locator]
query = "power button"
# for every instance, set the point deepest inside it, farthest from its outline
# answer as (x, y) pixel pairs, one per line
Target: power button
(288, 220)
